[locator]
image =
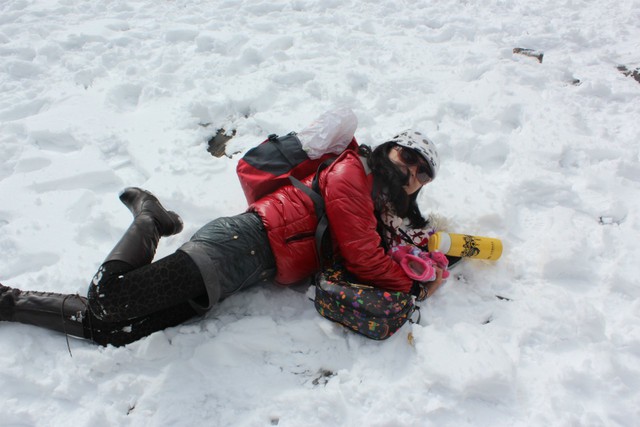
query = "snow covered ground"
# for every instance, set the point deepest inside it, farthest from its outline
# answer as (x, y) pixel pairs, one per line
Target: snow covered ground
(96, 96)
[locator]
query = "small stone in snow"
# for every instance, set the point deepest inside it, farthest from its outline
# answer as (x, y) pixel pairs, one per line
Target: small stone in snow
(529, 52)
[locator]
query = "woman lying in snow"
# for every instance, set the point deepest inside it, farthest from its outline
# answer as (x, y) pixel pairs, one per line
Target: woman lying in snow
(370, 199)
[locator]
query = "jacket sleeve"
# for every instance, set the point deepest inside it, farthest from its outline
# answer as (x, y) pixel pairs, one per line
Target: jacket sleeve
(349, 208)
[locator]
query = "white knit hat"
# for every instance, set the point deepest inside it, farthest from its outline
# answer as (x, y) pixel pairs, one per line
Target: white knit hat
(423, 145)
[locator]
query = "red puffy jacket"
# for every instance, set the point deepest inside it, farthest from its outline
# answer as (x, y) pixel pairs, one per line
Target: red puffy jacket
(289, 218)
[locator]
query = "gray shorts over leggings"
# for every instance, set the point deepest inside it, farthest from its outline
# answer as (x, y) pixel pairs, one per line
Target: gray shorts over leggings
(231, 253)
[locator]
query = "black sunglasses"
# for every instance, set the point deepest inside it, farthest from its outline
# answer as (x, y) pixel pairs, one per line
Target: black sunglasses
(411, 158)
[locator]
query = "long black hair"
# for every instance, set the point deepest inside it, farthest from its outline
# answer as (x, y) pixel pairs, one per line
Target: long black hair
(388, 183)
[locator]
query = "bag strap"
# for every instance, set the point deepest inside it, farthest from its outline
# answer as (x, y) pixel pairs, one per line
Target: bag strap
(319, 206)
(415, 308)
(318, 203)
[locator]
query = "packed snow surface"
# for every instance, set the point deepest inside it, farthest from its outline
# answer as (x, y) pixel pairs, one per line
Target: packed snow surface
(97, 96)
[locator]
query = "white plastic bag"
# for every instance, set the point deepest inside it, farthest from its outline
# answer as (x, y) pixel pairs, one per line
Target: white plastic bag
(329, 133)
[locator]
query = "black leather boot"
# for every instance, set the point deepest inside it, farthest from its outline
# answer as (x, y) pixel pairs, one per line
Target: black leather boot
(57, 312)
(150, 221)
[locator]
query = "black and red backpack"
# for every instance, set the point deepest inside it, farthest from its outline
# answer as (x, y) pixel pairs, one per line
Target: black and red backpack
(270, 165)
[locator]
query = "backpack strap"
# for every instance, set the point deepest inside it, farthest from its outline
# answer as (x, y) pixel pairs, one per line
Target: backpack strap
(365, 165)
(314, 194)
(323, 245)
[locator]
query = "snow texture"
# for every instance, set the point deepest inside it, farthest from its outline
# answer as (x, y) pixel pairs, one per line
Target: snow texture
(100, 95)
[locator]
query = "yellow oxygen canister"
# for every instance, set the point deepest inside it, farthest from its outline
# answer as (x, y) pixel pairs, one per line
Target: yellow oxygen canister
(464, 245)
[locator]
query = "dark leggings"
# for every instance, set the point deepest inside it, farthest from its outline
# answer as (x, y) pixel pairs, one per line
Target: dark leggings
(127, 304)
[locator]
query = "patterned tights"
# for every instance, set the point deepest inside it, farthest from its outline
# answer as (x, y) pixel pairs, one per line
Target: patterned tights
(127, 304)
